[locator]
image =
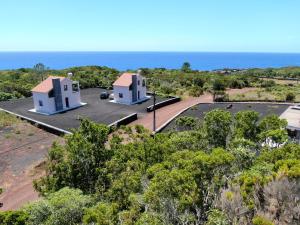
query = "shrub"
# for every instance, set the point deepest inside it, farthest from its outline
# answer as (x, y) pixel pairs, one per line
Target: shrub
(268, 83)
(259, 220)
(13, 218)
(196, 91)
(290, 97)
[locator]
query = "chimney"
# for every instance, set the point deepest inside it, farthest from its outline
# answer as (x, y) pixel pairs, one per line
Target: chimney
(70, 75)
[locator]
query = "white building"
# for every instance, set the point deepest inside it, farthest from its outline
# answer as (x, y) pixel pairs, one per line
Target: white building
(130, 88)
(56, 94)
(292, 115)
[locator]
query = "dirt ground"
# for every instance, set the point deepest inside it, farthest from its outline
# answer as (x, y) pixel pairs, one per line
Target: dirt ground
(23, 148)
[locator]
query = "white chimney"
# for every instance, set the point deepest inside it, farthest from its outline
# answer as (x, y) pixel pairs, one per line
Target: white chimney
(70, 75)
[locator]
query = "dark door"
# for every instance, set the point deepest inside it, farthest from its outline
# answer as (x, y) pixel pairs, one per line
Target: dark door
(67, 102)
(138, 95)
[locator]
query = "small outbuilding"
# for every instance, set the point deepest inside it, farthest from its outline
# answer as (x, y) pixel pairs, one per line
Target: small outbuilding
(56, 94)
(130, 88)
(292, 115)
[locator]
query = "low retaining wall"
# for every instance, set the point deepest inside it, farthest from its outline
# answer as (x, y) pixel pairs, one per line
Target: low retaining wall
(124, 121)
(39, 124)
(258, 101)
(58, 131)
(163, 103)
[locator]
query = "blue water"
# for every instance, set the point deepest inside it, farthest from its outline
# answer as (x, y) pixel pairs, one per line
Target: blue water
(134, 60)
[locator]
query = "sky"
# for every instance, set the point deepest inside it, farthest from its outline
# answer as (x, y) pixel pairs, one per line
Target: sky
(150, 25)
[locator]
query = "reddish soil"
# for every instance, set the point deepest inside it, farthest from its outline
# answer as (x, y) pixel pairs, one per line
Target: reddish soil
(164, 114)
(22, 148)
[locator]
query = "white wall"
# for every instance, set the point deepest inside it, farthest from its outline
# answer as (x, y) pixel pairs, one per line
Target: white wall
(48, 103)
(127, 94)
(74, 97)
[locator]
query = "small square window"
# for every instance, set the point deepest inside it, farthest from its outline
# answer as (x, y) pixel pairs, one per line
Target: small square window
(120, 95)
(75, 87)
(65, 87)
(40, 103)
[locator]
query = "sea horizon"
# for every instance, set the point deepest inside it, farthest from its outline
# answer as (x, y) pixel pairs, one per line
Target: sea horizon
(124, 60)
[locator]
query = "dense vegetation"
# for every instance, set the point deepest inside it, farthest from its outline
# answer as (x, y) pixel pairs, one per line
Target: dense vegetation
(182, 82)
(229, 169)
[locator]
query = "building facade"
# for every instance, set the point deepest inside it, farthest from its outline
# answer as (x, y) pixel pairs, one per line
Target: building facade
(56, 94)
(130, 88)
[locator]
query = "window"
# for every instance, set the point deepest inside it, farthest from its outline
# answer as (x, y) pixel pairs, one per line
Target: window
(138, 82)
(40, 103)
(65, 87)
(51, 94)
(120, 95)
(75, 87)
(144, 83)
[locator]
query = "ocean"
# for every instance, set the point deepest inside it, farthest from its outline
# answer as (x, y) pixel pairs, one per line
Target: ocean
(135, 60)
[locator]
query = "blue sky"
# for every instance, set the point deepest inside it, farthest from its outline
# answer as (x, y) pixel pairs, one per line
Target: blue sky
(150, 25)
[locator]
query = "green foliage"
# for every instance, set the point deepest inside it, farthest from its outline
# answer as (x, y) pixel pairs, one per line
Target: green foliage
(290, 97)
(102, 214)
(217, 126)
(19, 217)
(217, 217)
(219, 172)
(267, 83)
(246, 125)
(186, 67)
(76, 164)
(64, 207)
(258, 220)
(219, 85)
(187, 122)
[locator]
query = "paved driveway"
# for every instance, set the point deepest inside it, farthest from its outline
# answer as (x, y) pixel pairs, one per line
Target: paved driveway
(98, 110)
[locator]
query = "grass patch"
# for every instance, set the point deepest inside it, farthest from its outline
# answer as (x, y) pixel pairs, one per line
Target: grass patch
(7, 119)
(275, 93)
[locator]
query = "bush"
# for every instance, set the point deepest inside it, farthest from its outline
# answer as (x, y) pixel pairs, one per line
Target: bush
(196, 91)
(290, 97)
(258, 220)
(219, 85)
(60, 208)
(186, 122)
(13, 218)
(267, 83)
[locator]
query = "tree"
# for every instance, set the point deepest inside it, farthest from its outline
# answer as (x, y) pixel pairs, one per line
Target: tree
(219, 85)
(40, 69)
(76, 164)
(246, 125)
(217, 125)
(65, 207)
(101, 214)
(272, 122)
(186, 67)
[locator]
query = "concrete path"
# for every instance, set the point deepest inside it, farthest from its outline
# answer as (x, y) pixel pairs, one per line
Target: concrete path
(168, 113)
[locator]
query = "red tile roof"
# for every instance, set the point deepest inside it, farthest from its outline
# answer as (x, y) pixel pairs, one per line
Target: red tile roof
(46, 85)
(124, 80)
